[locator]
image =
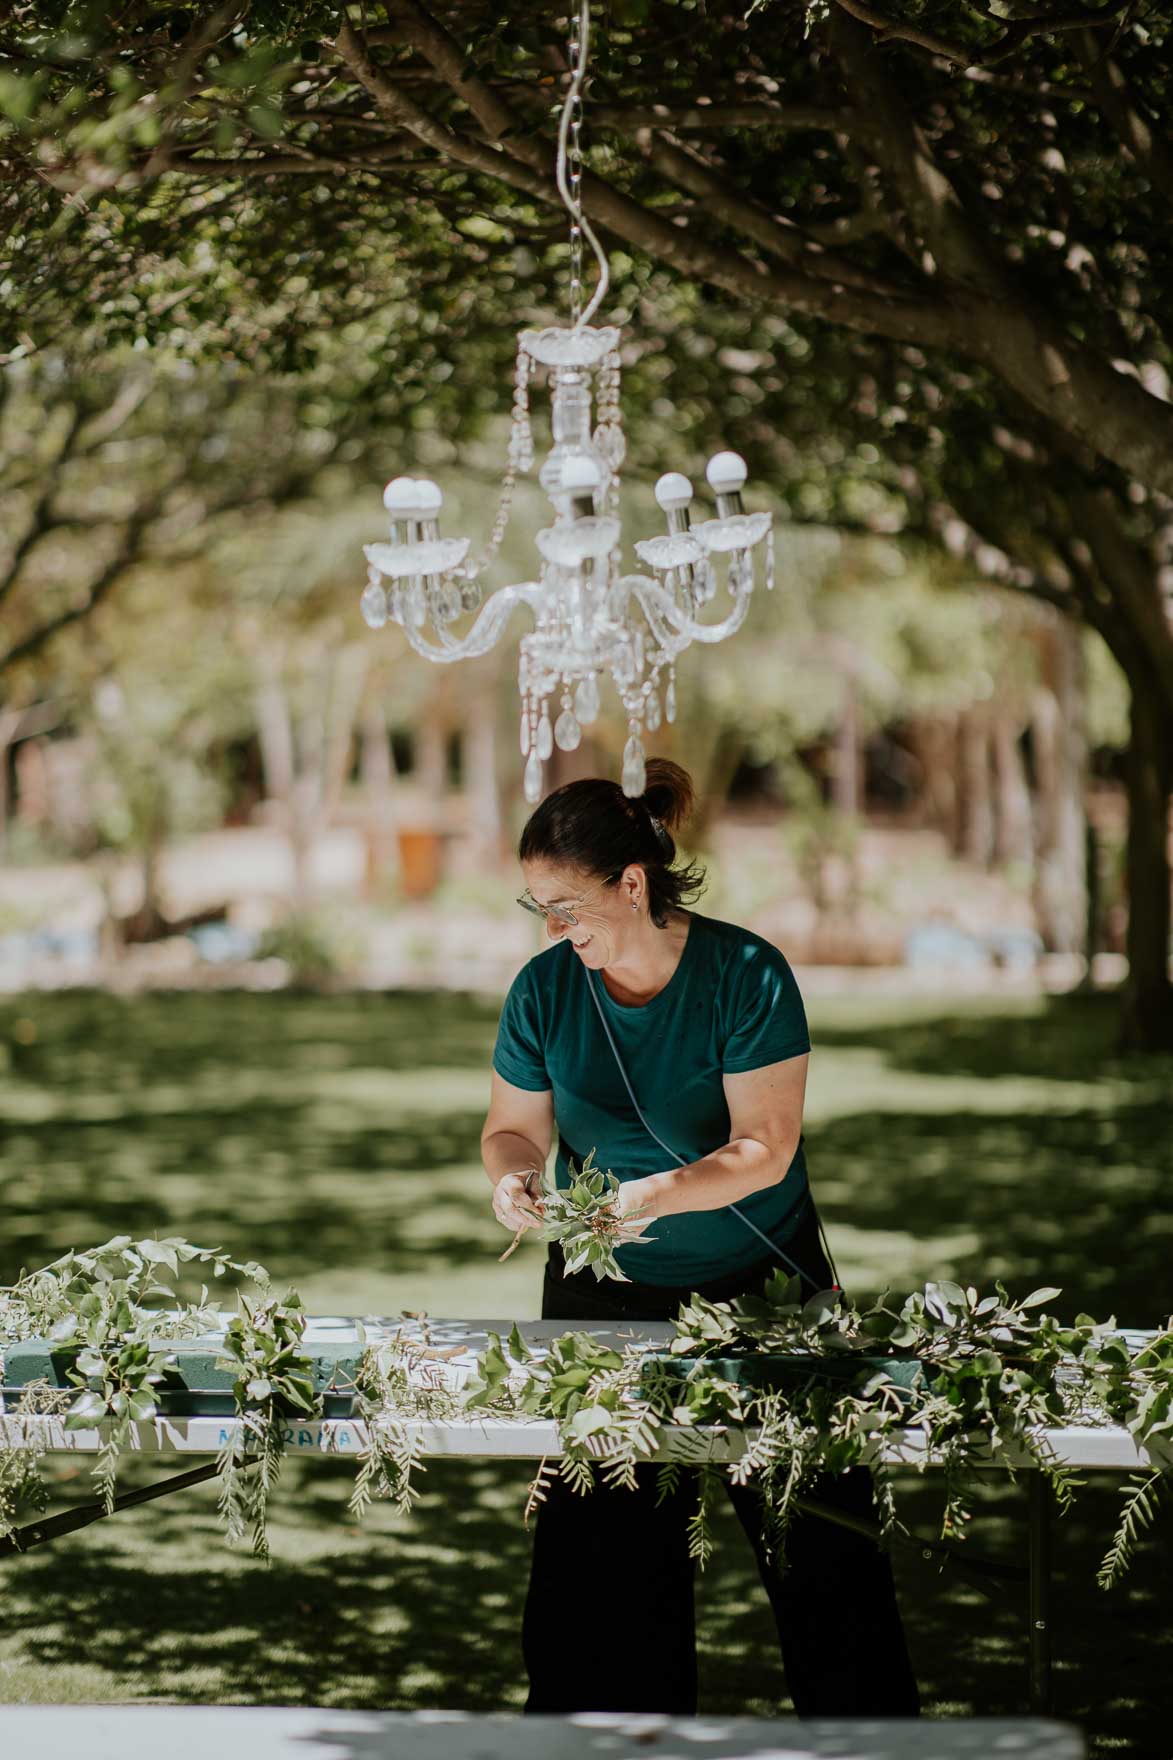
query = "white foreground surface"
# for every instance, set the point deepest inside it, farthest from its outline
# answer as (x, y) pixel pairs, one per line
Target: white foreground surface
(180, 1732)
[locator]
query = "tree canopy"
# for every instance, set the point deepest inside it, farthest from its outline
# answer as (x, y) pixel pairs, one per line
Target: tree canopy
(916, 263)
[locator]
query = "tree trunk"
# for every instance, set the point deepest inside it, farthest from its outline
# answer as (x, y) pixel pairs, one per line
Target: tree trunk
(845, 782)
(431, 758)
(345, 687)
(1148, 1007)
(1059, 726)
(977, 803)
(480, 774)
(1012, 831)
(274, 729)
(724, 757)
(935, 740)
(377, 770)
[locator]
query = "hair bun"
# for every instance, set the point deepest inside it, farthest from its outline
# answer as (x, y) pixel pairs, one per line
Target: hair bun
(669, 796)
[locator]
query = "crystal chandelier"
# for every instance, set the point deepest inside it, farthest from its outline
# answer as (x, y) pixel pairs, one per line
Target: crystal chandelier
(590, 618)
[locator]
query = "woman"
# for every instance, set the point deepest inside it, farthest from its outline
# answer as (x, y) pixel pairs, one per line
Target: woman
(709, 1025)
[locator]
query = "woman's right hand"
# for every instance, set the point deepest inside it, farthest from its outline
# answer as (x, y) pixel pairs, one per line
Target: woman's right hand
(513, 1205)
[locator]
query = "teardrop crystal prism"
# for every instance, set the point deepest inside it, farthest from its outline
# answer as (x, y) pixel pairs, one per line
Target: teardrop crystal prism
(545, 743)
(525, 740)
(670, 700)
(373, 605)
(533, 778)
(635, 776)
(567, 732)
(652, 716)
(586, 700)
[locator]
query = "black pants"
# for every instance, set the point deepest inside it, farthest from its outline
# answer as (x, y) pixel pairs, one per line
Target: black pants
(609, 1621)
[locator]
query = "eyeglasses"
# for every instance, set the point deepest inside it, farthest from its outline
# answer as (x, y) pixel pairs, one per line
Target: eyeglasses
(561, 913)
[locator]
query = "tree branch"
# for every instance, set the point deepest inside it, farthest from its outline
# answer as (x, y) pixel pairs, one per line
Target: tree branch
(200, 38)
(42, 519)
(905, 319)
(127, 554)
(1063, 380)
(681, 166)
(889, 30)
(1140, 140)
(755, 113)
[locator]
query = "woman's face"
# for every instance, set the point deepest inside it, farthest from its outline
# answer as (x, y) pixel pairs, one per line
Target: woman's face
(605, 917)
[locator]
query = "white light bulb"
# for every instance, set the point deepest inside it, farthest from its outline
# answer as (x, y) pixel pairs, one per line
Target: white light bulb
(428, 498)
(673, 490)
(580, 475)
(726, 473)
(399, 497)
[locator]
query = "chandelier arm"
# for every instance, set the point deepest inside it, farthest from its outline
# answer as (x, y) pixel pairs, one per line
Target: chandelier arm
(485, 632)
(656, 603)
(573, 206)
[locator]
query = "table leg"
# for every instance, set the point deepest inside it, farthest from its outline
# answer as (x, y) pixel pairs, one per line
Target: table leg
(1040, 1592)
(50, 1527)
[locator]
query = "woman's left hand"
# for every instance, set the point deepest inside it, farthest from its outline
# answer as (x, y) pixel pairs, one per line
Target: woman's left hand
(637, 1195)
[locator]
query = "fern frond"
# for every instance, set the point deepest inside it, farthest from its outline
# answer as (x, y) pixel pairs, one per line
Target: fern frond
(1136, 1516)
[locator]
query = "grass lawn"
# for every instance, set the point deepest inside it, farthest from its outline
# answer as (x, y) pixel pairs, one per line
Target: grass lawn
(335, 1139)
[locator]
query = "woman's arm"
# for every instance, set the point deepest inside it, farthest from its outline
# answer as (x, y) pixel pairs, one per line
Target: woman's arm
(516, 1139)
(765, 1123)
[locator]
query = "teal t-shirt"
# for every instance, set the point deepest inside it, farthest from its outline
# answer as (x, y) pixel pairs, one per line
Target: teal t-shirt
(732, 1004)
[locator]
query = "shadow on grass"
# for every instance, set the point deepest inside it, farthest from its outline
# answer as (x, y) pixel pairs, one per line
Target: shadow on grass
(1074, 1037)
(423, 1611)
(1075, 1200)
(266, 1183)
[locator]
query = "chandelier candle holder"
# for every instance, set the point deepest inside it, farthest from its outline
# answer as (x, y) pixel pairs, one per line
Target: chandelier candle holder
(591, 619)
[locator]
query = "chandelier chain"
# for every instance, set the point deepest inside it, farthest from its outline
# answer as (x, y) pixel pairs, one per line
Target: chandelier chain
(576, 61)
(568, 173)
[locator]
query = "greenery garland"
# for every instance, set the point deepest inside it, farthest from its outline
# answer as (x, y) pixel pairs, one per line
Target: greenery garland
(794, 1388)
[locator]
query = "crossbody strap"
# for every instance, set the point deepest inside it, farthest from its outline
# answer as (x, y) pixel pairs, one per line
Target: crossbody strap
(682, 1162)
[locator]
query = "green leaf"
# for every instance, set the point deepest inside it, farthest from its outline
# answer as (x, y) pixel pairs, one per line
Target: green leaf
(88, 1408)
(1039, 1295)
(589, 1421)
(265, 121)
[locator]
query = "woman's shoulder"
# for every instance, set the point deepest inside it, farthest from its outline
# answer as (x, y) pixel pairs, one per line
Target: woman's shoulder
(738, 949)
(546, 971)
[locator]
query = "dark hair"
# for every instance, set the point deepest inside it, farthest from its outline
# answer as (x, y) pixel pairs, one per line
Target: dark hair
(592, 825)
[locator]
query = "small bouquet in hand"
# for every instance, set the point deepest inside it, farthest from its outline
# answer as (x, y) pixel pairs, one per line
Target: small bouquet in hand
(585, 1218)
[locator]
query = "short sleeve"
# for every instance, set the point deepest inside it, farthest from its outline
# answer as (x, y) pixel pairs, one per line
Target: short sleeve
(519, 1053)
(768, 1019)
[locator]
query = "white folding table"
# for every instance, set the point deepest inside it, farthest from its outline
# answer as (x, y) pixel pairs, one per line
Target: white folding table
(525, 1438)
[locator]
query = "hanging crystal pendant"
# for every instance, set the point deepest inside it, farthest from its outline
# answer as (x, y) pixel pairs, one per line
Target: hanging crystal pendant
(652, 716)
(670, 698)
(545, 741)
(635, 775)
(586, 700)
(525, 733)
(373, 604)
(567, 732)
(533, 778)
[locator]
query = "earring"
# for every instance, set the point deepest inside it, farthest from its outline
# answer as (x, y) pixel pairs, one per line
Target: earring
(635, 904)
